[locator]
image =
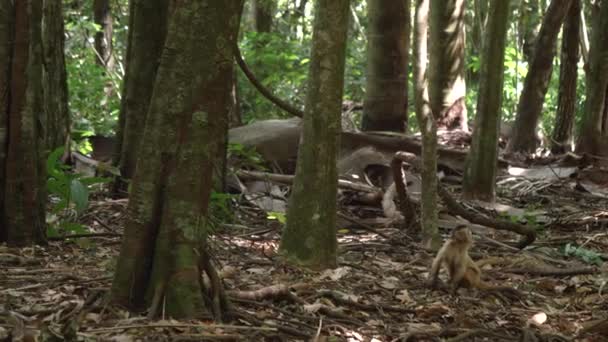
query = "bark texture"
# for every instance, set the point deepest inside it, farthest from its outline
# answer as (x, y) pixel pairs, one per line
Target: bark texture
(591, 134)
(428, 128)
(309, 237)
(480, 171)
(102, 16)
(561, 139)
(147, 31)
(447, 87)
(386, 100)
(25, 176)
(530, 105)
(54, 76)
(262, 15)
(529, 26)
(6, 52)
(164, 247)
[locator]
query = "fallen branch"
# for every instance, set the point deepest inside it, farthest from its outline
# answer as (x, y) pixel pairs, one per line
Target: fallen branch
(340, 299)
(547, 272)
(529, 234)
(280, 291)
(288, 179)
(408, 209)
(80, 236)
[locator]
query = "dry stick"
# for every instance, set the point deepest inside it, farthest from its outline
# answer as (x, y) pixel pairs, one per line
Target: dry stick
(344, 301)
(288, 179)
(546, 272)
(405, 204)
(262, 89)
(529, 235)
(79, 236)
(181, 325)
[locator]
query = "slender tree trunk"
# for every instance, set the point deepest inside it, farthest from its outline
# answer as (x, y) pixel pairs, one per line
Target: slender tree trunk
(262, 15)
(103, 38)
(147, 31)
(386, 101)
(447, 88)
(590, 138)
(561, 138)
(24, 196)
(428, 128)
(164, 247)
(54, 76)
(480, 172)
(309, 237)
(529, 26)
(529, 108)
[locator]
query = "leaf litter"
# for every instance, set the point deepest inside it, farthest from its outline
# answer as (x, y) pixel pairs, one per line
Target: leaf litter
(378, 292)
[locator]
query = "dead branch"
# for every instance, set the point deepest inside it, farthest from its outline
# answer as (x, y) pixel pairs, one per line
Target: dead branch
(280, 291)
(529, 235)
(553, 271)
(408, 210)
(288, 179)
(340, 299)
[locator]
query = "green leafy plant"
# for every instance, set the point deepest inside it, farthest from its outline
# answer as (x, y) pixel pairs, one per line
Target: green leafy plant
(243, 156)
(71, 191)
(587, 255)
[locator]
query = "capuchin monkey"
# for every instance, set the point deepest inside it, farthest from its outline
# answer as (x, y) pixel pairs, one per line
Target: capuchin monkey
(462, 270)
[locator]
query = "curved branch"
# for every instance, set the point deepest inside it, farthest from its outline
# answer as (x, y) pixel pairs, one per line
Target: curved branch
(262, 89)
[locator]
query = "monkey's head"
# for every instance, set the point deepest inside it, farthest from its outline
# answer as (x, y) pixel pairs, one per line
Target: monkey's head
(462, 234)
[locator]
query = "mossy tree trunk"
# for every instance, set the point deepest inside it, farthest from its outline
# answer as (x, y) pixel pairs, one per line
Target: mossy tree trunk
(428, 128)
(480, 172)
(386, 101)
(54, 76)
(102, 16)
(590, 138)
(164, 250)
(147, 31)
(530, 105)
(22, 157)
(309, 237)
(561, 138)
(447, 86)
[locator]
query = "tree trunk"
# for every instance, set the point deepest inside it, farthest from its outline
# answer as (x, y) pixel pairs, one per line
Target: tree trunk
(309, 237)
(147, 31)
(103, 38)
(54, 76)
(24, 195)
(590, 139)
(164, 248)
(447, 88)
(561, 138)
(6, 52)
(529, 26)
(480, 171)
(529, 108)
(428, 128)
(386, 101)
(262, 15)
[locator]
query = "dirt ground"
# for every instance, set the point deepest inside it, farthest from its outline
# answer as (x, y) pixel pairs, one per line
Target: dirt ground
(378, 293)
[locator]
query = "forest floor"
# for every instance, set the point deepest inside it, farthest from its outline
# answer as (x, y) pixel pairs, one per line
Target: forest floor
(378, 292)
